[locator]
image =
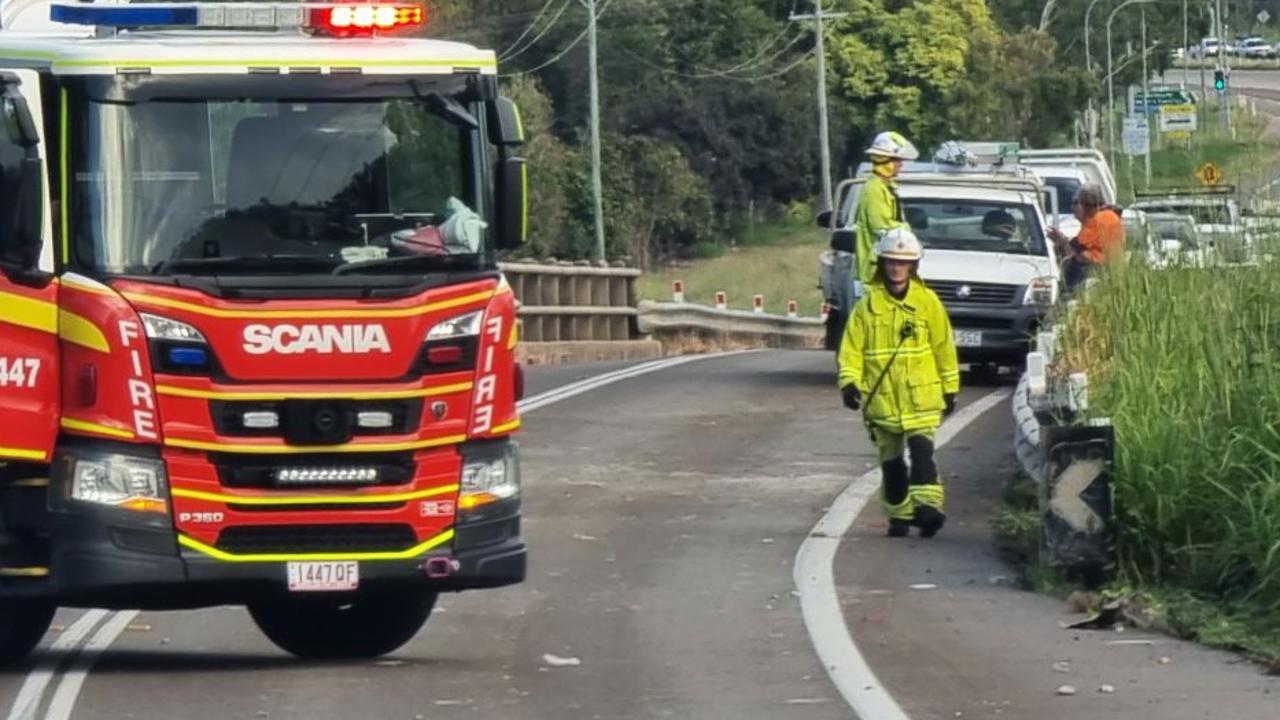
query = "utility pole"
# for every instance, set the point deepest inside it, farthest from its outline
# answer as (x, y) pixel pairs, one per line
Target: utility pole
(597, 186)
(1146, 102)
(1224, 104)
(824, 132)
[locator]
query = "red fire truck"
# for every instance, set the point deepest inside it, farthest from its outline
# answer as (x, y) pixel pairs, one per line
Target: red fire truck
(255, 348)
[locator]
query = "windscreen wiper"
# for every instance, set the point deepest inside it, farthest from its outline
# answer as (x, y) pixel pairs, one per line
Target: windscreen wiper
(409, 263)
(278, 264)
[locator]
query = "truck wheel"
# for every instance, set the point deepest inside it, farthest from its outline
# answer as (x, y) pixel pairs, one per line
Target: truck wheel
(22, 624)
(835, 330)
(363, 626)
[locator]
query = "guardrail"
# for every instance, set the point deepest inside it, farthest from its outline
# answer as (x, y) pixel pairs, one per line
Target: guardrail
(574, 302)
(729, 327)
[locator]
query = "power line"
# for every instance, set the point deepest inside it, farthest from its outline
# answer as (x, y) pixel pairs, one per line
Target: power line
(564, 51)
(511, 51)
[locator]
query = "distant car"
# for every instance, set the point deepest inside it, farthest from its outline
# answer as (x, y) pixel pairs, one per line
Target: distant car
(1208, 47)
(1255, 48)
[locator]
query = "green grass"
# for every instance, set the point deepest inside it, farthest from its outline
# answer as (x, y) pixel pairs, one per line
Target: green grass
(1184, 362)
(781, 262)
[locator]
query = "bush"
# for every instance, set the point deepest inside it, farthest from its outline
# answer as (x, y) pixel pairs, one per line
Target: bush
(705, 250)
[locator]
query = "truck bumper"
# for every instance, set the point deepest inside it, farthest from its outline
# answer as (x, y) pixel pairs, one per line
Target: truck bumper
(1006, 332)
(105, 557)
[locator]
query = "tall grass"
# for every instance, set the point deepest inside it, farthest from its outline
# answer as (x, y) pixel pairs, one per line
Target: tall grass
(1186, 363)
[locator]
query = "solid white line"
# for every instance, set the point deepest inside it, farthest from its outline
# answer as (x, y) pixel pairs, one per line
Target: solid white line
(32, 691)
(571, 390)
(64, 698)
(819, 603)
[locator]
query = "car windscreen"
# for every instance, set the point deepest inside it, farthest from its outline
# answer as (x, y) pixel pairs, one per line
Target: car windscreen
(975, 225)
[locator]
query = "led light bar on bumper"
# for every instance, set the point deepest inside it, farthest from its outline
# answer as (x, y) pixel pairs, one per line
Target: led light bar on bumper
(117, 480)
(340, 19)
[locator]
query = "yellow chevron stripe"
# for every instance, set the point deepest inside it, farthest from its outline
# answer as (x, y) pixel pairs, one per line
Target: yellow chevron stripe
(29, 313)
(175, 391)
(90, 427)
(23, 453)
(409, 554)
(313, 500)
(352, 313)
(79, 330)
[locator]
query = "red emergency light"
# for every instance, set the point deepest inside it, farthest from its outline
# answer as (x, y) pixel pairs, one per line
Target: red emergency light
(368, 18)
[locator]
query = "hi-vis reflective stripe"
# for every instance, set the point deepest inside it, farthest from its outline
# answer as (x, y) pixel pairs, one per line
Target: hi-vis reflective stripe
(22, 453)
(313, 499)
(506, 427)
(346, 313)
(95, 428)
(888, 352)
(80, 331)
(409, 554)
(175, 391)
(932, 495)
(29, 313)
(292, 450)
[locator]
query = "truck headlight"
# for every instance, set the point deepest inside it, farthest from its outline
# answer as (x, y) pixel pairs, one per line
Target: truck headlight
(1042, 291)
(464, 325)
(122, 481)
(488, 480)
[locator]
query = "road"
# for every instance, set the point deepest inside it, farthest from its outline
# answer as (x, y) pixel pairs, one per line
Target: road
(664, 512)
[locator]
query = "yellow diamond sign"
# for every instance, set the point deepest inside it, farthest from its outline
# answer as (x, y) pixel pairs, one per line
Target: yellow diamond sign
(1209, 174)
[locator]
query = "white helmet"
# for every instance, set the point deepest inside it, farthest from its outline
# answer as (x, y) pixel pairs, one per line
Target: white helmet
(893, 145)
(899, 243)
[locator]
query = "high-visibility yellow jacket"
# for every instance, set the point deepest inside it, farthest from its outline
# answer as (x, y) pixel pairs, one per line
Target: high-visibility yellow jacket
(878, 210)
(911, 395)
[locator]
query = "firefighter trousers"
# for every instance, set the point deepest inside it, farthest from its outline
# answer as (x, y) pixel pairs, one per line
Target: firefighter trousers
(902, 491)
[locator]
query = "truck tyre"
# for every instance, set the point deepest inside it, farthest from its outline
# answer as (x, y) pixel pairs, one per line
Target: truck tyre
(836, 320)
(22, 624)
(363, 626)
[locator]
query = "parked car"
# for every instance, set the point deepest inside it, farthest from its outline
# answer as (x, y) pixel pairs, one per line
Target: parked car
(1207, 47)
(1254, 48)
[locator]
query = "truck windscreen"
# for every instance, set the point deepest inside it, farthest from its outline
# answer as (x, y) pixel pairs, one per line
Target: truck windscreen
(275, 185)
(975, 225)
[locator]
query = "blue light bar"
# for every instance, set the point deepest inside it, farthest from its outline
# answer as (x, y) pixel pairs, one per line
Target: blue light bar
(126, 16)
(193, 357)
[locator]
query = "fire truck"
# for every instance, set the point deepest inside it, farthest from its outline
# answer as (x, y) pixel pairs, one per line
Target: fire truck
(255, 348)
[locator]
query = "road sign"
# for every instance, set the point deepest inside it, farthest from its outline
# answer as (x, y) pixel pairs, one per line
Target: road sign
(1159, 98)
(1263, 16)
(1137, 136)
(1177, 118)
(1209, 174)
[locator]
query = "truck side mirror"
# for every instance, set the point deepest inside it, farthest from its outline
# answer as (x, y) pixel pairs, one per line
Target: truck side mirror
(824, 219)
(22, 236)
(511, 177)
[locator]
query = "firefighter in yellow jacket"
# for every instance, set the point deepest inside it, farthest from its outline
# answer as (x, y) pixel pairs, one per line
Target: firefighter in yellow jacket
(878, 206)
(898, 364)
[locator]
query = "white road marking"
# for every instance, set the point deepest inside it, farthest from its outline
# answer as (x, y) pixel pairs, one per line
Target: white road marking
(32, 691)
(574, 389)
(819, 603)
(64, 698)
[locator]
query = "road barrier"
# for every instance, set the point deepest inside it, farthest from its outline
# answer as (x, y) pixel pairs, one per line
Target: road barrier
(728, 328)
(576, 313)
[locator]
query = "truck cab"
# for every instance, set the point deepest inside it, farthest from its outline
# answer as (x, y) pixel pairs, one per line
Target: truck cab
(256, 349)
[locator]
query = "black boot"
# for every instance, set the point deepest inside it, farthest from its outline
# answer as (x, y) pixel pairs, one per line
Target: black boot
(899, 528)
(929, 519)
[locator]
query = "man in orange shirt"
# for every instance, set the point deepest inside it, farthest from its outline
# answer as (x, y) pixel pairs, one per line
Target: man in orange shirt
(1101, 237)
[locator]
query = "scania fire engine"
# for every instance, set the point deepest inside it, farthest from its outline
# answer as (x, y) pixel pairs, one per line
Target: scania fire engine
(255, 348)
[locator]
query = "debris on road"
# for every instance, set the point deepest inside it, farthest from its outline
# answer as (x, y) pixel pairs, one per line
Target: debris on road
(1165, 660)
(1066, 690)
(1107, 689)
(924, 586)
(138, 627)
(557, 661)
(389, 663)
(580, 536)
(1106, 619)
(1062, 666)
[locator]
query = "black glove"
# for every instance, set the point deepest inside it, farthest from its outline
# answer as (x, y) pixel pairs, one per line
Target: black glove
(852, 398)
(950, 404)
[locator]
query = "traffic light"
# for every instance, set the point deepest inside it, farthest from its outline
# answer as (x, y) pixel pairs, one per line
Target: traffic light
(1219, 80)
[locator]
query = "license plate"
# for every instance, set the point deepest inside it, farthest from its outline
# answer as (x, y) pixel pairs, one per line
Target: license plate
(968, 338)
(327, 576)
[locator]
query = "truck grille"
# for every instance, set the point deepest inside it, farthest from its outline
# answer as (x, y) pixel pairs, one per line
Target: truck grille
(949, 291)
(230, 417)
(259, 539)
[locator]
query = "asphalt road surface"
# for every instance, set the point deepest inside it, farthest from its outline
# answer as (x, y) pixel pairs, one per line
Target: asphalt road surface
(664, 511)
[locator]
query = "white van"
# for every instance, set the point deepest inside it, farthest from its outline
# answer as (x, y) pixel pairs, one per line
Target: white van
(987, 255)
(1057, 162)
